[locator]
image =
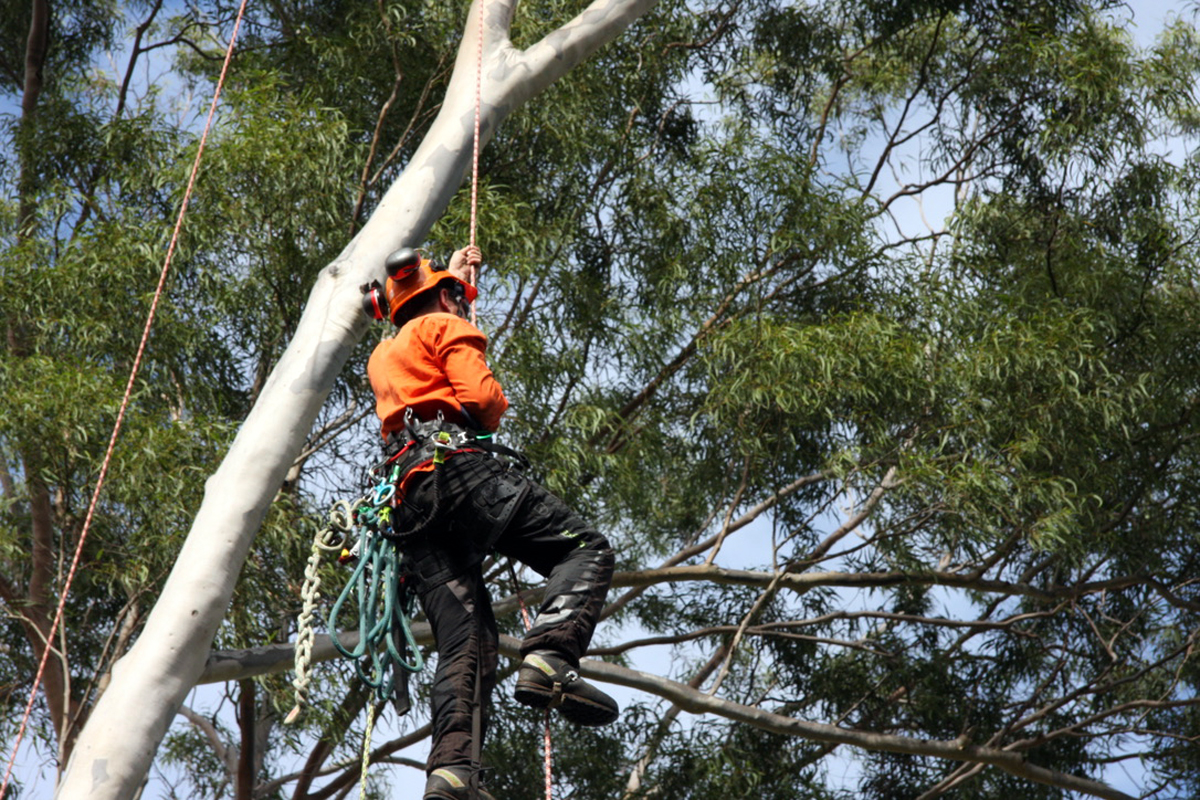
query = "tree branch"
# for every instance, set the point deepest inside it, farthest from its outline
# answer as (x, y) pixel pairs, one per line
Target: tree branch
(134, 53)
(959, 749)
(567, 47)
(224, 754)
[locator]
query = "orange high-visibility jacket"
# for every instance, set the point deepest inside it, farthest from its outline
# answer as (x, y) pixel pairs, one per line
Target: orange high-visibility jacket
(435, 363)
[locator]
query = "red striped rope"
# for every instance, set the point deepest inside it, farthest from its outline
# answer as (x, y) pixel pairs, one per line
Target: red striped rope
(475, 146)
(546, 748)
(549, 760)
(112, 442)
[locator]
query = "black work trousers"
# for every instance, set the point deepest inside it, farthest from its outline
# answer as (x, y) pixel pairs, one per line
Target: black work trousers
(483, 506)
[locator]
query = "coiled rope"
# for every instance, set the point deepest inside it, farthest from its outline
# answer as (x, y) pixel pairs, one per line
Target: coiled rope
(384, 633)
(375, 589)
(328, 541)
(133, 372)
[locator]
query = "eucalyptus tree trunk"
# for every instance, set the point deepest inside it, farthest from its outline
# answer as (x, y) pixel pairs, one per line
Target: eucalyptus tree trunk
(116, 747)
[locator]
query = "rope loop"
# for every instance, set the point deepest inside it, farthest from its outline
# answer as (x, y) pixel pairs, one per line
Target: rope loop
(341, 515)
(330, 540)
(306, 632)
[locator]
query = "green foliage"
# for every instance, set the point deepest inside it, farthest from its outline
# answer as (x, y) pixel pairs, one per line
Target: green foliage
(713, 761)
(78, 283)
(709, 308)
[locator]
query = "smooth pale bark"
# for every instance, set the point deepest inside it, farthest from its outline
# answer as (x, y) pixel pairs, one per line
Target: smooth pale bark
(115, 749)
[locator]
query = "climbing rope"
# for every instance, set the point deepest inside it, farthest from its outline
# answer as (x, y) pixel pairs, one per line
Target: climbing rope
(366, 751)
(376, 589)
(546, 743)
(478, 114)
(133, 372)
(328, 541)
(475, 144)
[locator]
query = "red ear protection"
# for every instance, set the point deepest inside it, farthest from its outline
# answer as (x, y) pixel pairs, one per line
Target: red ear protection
(374, 304)
(409, 276)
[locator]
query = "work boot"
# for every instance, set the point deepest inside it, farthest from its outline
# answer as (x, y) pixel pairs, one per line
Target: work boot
(547, 680)
(452, 783)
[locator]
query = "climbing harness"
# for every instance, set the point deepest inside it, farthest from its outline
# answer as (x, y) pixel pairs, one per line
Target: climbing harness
(419, 444)
(365, 533)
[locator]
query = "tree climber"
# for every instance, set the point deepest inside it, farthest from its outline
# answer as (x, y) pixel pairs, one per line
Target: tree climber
(439, 403)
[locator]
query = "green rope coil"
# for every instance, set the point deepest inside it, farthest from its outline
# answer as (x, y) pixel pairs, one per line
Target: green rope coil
(384, 605)
(377, 588)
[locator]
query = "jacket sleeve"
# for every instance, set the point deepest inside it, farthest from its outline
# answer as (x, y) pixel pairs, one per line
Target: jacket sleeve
(462, 349)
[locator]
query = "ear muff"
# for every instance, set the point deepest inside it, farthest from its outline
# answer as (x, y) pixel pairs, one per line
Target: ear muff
(374, 303)
(409, 276)
(402, 263)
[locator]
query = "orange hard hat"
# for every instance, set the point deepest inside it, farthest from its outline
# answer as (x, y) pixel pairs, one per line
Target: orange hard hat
(410, 275)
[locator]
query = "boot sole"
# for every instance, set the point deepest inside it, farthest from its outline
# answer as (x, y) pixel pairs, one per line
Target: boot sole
(574, 708)
(484, 794)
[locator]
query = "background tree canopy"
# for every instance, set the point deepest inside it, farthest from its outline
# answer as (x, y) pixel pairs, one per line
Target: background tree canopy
(869, 332)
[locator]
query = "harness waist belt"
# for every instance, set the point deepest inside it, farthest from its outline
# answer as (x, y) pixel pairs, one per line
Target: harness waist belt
(419, 441)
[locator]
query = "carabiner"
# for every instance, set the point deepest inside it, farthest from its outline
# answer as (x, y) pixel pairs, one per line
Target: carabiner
(443, 443)
(383, 494)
